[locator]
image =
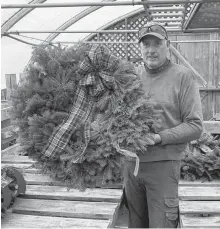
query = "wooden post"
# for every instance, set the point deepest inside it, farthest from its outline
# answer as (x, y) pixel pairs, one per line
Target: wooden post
(184, 61)
(10, 83)
(21, 76)
(126, 39)
(3, 94)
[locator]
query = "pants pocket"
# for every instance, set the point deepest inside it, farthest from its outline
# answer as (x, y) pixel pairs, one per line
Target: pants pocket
(172, 213)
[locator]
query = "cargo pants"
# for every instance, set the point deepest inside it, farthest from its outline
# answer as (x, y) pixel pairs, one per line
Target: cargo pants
(152, 196)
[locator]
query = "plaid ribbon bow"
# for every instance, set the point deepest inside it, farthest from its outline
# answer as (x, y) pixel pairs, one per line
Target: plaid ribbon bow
(97, 76)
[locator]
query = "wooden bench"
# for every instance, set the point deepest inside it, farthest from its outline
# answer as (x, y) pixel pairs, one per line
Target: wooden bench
(200, 205)
(200, 201)
(48, 203)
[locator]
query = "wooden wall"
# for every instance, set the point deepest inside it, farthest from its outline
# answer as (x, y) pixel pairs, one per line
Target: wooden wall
(205, 58)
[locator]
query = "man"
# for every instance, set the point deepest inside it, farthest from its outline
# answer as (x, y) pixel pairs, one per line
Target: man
(152, 196)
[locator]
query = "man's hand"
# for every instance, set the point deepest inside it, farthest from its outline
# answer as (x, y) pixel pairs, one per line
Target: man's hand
(155, 137)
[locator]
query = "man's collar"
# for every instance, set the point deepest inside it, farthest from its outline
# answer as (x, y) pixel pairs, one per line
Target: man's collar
(160, 69)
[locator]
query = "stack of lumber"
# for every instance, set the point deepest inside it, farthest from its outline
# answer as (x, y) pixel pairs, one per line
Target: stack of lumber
(199, 204)
(200, 201)
(48, 204)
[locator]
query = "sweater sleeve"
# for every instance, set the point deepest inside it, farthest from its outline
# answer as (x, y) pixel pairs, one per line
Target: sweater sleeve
(191, 114)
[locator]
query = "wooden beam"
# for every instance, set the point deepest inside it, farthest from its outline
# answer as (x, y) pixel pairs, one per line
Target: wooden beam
(24, 168)
(61, 208)
(196, 41)
(202, 30)
(199, 207)
(38, 221)
(211, 222)
(198, 77)
(212, 127)
(17, 159)
(61, 193)
(199, 193)
(12, 150)
(200, 183)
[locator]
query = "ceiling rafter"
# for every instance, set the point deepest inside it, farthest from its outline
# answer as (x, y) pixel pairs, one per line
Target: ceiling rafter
(18, 16)
(171, 13)
(123, 17)
(74, 19)
(97, 3)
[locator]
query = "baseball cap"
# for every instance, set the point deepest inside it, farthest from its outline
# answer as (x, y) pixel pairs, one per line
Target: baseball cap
(153, 29)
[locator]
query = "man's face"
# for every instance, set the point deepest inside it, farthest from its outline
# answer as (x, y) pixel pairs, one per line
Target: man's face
(154, 51)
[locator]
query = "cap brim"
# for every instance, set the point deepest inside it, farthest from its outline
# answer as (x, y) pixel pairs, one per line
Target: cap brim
(151, 34)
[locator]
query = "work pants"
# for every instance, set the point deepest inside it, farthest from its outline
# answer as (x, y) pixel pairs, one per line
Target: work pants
(152, 196)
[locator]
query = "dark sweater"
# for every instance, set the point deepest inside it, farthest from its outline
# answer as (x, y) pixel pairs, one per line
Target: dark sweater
(177, 95)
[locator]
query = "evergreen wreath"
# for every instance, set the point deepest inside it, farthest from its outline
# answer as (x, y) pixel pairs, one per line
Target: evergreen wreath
(120, 117)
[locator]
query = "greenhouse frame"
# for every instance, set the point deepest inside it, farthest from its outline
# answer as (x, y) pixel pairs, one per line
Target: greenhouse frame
(35, 30)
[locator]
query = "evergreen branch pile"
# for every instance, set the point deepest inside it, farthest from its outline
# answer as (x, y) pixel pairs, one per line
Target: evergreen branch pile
(202, 160)
(122, 117)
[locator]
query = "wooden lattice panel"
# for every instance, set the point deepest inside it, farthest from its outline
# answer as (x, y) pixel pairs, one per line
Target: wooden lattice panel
(207, 16)
(188, 10)
(125, 51)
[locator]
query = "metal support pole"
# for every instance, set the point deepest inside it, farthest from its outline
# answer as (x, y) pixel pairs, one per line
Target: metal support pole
(17, 32)
(131, 42)
(22, 41)
(18, 16)
(79, 4)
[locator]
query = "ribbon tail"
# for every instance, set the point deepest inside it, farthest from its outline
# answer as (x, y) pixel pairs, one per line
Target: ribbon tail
(128, 153)
(79, 113)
